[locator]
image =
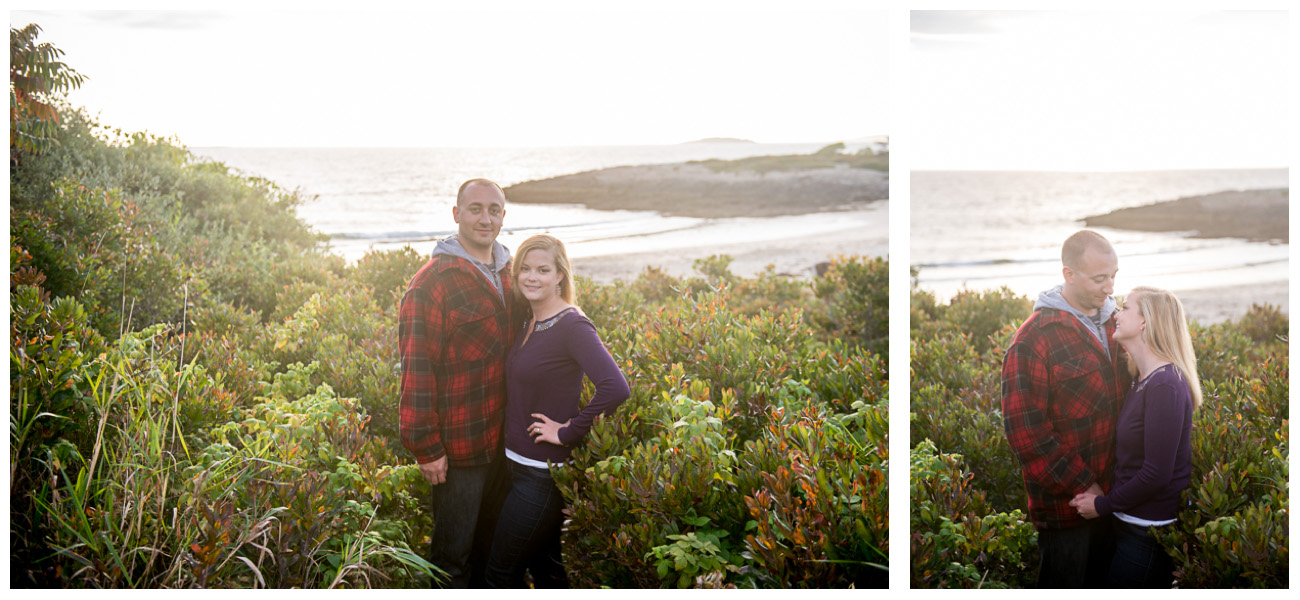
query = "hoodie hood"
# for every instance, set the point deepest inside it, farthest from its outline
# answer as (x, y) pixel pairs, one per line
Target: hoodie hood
(500, 257)
(1054, 299)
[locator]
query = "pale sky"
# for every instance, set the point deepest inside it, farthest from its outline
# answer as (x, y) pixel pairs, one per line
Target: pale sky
(1085, 91)
(513, 76)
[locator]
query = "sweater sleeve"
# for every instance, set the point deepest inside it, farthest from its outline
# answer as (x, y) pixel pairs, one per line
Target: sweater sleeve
(419, 331)
(1163, 419)
(1030, 431)
(584, 345)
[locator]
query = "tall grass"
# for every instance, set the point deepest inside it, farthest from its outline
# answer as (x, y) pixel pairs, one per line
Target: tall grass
(142, 510)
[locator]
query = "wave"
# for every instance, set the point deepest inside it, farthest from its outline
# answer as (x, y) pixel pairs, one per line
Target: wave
(392, 236)
(1034, 261)
(1231, 267)
(982, 263)
(598, 229)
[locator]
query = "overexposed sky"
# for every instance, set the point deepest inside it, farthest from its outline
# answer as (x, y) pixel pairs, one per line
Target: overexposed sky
(1098, 91)
(508, 75)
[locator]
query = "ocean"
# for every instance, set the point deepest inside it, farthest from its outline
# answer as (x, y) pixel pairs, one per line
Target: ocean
(384, 198)
(982, 230)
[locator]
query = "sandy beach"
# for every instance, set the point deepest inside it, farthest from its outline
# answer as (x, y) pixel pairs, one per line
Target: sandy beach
(1216, 305)
(794, 256)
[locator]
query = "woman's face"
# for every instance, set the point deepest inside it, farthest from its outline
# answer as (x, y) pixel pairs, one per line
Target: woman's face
(538, 278)
(1129, 322)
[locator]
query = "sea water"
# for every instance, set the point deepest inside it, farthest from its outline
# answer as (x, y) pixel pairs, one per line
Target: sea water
(985, 230)
(368, 199)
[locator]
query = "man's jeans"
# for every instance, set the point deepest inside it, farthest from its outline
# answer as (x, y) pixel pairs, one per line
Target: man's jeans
(1140, 561)
(1077, 557)
(528, 532)
(465, 507)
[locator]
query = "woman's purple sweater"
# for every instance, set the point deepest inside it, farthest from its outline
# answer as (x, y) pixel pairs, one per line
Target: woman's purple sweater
(1153, 448)
(544, 376)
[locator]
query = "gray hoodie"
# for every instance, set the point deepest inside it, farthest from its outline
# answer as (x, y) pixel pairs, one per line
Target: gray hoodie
(500, 256)
(1097, 325)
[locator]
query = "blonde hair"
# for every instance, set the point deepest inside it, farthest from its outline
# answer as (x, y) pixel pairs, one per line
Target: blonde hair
(561, 258)
(1166, 334)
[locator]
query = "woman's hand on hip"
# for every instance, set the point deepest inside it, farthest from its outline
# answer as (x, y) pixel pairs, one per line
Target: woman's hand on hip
(546, 430)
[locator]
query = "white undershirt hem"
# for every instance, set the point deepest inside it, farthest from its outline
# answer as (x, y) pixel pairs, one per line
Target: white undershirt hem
(528, 462)
(1136, 521)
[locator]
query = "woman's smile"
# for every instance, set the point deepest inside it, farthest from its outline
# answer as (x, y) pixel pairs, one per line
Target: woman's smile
(538, 276)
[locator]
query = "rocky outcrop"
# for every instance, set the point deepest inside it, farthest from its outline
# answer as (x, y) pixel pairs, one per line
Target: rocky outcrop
(1258, 215)
(692, 190)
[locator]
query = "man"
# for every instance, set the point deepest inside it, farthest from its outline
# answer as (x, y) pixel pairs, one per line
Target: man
(1061, 389)
(454, 331)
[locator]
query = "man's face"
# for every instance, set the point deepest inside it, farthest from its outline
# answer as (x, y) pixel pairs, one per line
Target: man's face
(479, 216)
(1089, 283)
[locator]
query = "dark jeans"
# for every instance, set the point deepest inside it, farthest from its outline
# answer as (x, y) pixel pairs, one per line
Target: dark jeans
(465, 507)
(1077, 557)
(1140, 561)
(528, 532)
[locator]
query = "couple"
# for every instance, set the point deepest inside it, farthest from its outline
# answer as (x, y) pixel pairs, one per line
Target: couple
(494, 349)
(1102, 467)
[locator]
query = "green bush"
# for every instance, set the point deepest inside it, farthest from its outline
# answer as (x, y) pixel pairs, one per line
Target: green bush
(1264, 323)
(90, 245)
(353, 341)
(1234, 532)
(803, 504)
(749, 454)
(855, 295)
(982, 315)
(958, 541)
(387, 273)
(819, 503)
(52, 344)
(971, 424)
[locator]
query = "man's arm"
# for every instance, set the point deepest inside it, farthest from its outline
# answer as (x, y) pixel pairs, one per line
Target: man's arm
(420, 327)
(1030, 431)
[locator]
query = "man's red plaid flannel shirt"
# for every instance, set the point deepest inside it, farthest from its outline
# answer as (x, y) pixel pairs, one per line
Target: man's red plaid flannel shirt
(454, 331)
(1060, 403)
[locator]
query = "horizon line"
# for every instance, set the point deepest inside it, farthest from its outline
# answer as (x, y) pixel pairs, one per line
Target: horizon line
(702, 141)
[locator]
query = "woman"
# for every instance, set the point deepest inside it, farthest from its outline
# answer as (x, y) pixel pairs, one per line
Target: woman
(544, 371)
(1153, 440)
